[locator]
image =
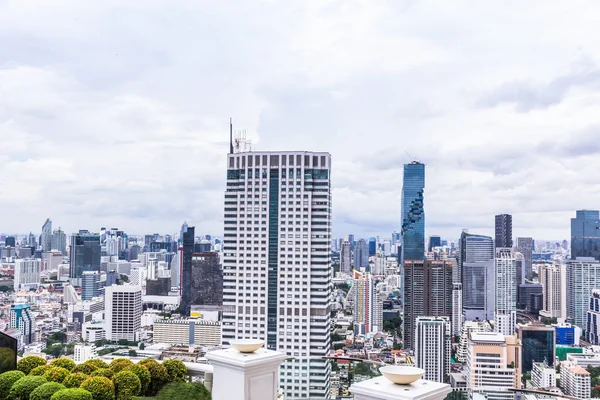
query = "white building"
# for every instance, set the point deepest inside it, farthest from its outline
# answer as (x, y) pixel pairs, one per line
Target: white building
(506, 291)
(553, 278)
(345, 258)
(22, 318)
(432, 346)
(457, 313)
(276, 261)
(84, 352)
(138, 275)
(575, 380)
(27, 273)
(543, 376)
(187, 331)
(583, 276)
(468, 327)
(368, 307)
(122, 311)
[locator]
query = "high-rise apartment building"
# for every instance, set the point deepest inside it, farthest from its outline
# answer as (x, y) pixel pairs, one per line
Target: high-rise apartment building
(47, 235)
(22, 318)
(457, 312)
(277, 274)
(525, 247)
(428, 292)
(361, 254)
(413, 213)
(593, 318)
(27, 273)
(585, 234)
(553, 278)
(503, 230)
(346, 258)
(84, 255)
(506, 291)
(583, 276)
(368, 307)
(477, 274)
(432, 347)
(90, 285)
(122, 312)
(575, 381)
(59, 241)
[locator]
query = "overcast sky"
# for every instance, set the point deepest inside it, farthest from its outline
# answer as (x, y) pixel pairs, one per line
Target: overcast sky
(115, 113)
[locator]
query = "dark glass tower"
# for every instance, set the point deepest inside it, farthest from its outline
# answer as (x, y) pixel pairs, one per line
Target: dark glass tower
(413, 214)
(186, 278)
(503, 230)
(84, 256)
(585, 234)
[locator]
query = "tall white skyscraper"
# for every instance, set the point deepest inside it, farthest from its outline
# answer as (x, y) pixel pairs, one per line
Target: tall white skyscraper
(457, 315)
(553, 278)
(345, 258)
(122, 311)
(506, 291)
(583, 276)
(432, 346)
(368, 307)
(276, 261)
(27, 273)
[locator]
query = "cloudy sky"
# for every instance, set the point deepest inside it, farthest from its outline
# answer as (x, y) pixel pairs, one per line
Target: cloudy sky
(115, 113)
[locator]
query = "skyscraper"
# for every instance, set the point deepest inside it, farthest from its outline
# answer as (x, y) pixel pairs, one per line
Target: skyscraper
(477, 274)
(553, 278)
(368, 307)
(345, 258)
(428, 292)
(276, 261)
(27, 273)
(504, 230)
(59, 241)
(585, 234)
(90, 285)
(434, 241)
(47, 235)
(186, 270)
(372, 246)
(206, 283)
(506, 291)
(413, 213)
(361, 255)
(122, 311)
(583, 276)
(432, 347)
(84, 256)
(525, 247)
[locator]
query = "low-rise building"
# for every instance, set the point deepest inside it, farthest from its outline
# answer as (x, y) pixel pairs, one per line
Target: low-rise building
(187, 331)
(543, 376)
(84, 352)
(575, 380)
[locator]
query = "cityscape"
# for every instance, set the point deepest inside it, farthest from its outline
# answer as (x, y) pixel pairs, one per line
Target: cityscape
(314, 200)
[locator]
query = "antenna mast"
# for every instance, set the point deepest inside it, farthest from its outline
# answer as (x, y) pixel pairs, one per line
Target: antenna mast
(230, 136)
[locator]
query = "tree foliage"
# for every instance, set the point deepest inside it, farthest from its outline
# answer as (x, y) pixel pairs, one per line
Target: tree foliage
(65, 363)
(22, 388)
(84, 368)
(105, 372)
(74, 380)
(158, 377)
(45, 391)
(119, 364)
(184, 391)
(72, 394)
(127, 385)
(7, 379)
(100, 387)
(96, 362)
(176, 369)
(26, 364)
(56, 374)
(142, 373)
(40, 371)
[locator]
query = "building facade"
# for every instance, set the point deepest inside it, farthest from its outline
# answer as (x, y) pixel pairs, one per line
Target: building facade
(592, 328)
(503, 230)
(27, 273)
(553, 278)
(22, 319)
(413, 213)
(346, 258)
(575, 380)
(361, 255)
(368, 307)
(525, 247)
(476, 272)
(432, 347)
(505, 315)
(90, 285)
(85, 254)
(187, 332)
(47, 235)
(277, 269)
(583, 276)
(122, 312)
(585, 234)
(543, 376)
(538, 343)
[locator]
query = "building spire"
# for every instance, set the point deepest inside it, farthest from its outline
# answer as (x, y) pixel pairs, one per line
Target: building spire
(230, 136)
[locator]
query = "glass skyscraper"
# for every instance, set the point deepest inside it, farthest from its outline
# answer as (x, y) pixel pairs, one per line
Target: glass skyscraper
(585, 234)
(413, 214)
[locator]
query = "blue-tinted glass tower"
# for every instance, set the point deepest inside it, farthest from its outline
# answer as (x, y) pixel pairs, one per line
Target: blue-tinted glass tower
(372, 246)
(585, 234)
(413, 214)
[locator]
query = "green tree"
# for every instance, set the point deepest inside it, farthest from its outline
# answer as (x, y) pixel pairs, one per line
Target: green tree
(74, 380)
(363, 369)
(176, 369)
(184, 391)
(84, 368)
(119, 364)
(105, 372)
(158, 377)
(22, 388)
(45, 391)
(100, 387)
(132, 353)
(40, 371)
(7, 379)
(127, 385)
(66, 363)
(56, 337)
(142, 373)
(56, 374)
(26, 364)
(72, 394)
(96, 362)
(142, 346)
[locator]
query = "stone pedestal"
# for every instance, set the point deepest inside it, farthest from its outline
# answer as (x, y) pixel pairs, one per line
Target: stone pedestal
(382, 389)
(245, 376)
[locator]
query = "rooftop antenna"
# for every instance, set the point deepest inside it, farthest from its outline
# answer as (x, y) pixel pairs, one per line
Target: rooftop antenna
(412, 159)
(230, 136)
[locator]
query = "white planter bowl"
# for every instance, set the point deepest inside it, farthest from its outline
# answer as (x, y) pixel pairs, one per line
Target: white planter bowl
(246, 345)
(402, 374)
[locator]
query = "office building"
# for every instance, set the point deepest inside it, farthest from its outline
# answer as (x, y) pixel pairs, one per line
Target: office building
(432, 347)
(27, 273)
(368, 307)
(122, 312)
(493, 362)
(503, 230)
(59, 241)
(10, 241)
(22, 319)
(85, 254)
(361, 255)
(553, 278)
(158, 287)
(90, 285)
(543, 376)
(346, 258)
(187, 332)
(529, 295)
(457, 312)
(538, 345)
(428, 292)
(372, 246)
(47, 235)
(585, 234)
(476, 272)
(583, 276)
(505, 316)
(434, 241)
(279, 287)
(413, 212)
(567, 334)
(206, 284)
(575, 380)
(186, 269)
(592, 328)
(525, 247)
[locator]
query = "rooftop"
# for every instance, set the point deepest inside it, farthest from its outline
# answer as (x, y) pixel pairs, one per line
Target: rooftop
(491, 337)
